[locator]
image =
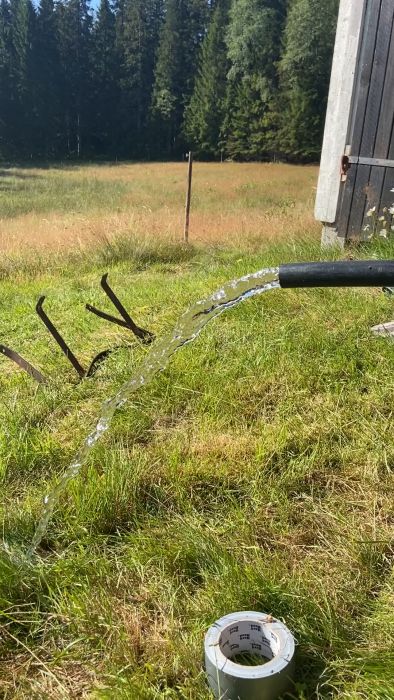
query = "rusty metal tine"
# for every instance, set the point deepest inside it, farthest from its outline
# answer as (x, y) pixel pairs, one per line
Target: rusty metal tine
(60, 341)
(116, 302)
(144, 335)
(107, 317)
(96, 362)
(23, 364)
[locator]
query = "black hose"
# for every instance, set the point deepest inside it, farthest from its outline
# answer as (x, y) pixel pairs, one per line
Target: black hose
(343, 273)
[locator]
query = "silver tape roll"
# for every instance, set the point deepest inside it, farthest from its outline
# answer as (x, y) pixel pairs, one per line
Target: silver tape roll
(252, 633)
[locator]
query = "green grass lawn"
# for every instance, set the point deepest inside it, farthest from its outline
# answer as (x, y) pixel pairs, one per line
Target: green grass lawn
(255, 473)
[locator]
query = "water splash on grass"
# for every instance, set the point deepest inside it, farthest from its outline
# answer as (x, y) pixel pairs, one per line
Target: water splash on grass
(186, 330)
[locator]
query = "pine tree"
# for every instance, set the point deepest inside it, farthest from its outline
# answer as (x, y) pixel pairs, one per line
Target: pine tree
(74, 27)
(154, 77)
(305, 73)
(47, 82)
(205, 113)
(182, 34)
(254, 40)
(105, 81)
(29, 102)
(243, 135)
(138, 30)
(19, 22)
(18, 74)
(5, 28)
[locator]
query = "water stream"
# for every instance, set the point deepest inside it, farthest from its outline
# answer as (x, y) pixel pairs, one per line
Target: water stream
(186, 330)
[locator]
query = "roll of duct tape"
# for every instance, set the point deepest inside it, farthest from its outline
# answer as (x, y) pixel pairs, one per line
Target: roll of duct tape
(249, 634)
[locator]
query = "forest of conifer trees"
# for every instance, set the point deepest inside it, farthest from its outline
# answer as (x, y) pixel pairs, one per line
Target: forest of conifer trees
(149, 79)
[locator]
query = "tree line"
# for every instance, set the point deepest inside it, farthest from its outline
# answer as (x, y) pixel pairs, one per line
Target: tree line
(148, 79)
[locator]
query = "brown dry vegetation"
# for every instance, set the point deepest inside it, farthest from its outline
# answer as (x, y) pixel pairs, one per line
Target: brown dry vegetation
(61, 208)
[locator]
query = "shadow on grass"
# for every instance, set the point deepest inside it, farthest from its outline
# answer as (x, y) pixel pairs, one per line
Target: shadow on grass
(17, 175)
(15, 181)
(68, 165)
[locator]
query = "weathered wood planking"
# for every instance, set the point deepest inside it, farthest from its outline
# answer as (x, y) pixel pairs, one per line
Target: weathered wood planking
(367, 108)
(351, 194)
(378, 79)
(387, 198)
(375, 131)
(347, 41)
(370, 134)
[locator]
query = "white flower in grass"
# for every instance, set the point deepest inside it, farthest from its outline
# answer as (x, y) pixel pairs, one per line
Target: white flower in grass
(381, 218)
(383, 233)
(366, 228)
(391, 210)
(371, 212)
(392, 228)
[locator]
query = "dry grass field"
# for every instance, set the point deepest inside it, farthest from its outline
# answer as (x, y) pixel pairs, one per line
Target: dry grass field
(75, 206)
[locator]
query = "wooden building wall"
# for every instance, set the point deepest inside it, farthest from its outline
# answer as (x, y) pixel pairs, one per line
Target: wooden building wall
(357, 168)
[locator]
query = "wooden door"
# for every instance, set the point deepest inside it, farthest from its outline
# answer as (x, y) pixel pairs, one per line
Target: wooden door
(369, 155)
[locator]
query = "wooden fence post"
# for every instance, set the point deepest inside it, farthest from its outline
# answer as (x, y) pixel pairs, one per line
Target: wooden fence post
(188, 198)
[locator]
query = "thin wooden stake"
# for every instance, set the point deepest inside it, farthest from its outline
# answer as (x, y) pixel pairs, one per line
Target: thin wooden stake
(188, 198)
